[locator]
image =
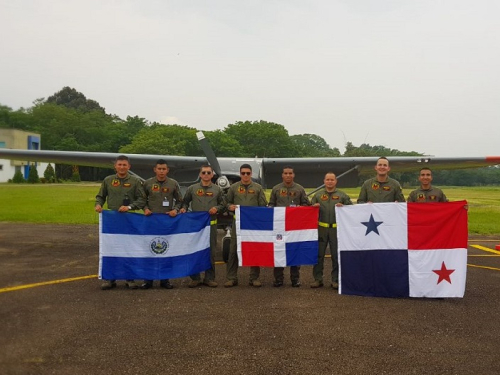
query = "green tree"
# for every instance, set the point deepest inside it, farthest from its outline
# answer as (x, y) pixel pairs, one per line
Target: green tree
(18, 178)
(262, 139)
(164, 140)
(312, 145)
(49, 174)
(75, 176)
(33, 175)
(367, 150)
(223, 144)
(71, 98)
(5, 116)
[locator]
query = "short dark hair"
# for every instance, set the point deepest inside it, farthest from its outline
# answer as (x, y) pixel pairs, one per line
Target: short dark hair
(206, 166)
(161, 161)
(122, 157)
(425, 169)
(288, 167)
(246, 166)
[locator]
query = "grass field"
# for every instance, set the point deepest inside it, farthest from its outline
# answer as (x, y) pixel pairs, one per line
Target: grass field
(74, 204)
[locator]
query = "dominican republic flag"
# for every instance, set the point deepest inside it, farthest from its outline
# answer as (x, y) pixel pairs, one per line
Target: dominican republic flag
(277, 237)
(156, 247)
(403, 249)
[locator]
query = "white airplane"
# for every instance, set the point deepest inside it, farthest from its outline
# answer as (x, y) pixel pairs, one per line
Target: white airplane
(266, 171)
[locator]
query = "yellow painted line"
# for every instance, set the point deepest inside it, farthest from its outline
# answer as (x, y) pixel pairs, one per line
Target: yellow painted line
(485, 255)
(27, 286)
(486, 249)
(488, 268)
(497, 241)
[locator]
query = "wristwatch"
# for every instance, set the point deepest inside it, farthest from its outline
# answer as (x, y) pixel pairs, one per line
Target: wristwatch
(129, 207)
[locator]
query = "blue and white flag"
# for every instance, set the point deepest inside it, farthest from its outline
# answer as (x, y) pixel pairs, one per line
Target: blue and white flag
(134, 246)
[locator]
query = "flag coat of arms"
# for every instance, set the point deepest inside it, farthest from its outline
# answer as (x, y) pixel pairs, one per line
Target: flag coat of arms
(156, 247)
(403, 249)
(277, 237)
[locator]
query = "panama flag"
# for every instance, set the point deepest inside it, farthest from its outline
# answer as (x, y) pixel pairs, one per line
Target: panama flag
(156, 247)
(403, 249)
(277, 237)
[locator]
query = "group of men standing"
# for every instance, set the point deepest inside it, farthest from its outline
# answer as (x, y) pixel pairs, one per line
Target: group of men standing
(161, 195)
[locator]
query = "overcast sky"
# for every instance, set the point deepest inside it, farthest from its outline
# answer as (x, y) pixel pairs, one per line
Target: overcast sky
(419, 75)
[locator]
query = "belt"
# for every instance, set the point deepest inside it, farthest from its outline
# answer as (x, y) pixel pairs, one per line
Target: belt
(326, 225)
(213, 222)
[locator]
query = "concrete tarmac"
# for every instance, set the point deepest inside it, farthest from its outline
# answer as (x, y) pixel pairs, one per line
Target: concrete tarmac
(56, 320)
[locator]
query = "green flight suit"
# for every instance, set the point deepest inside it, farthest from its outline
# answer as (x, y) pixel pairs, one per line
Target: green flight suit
(127, 191)
(286, 196)
(327, 230)
(203, 198)
(432, 194)
(377, 192)
(242, 195)
(162, 196)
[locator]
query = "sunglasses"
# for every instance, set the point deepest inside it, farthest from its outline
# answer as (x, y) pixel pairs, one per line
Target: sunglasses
(245, 173)
(206, 172)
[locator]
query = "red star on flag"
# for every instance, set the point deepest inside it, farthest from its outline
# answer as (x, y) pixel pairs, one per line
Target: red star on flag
(443, 273)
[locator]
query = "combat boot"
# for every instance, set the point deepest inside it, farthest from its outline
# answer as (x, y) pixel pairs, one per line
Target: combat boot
(210, 283)
(317, 284)
(108, 284)
(194, 283)
(131, 284)
(255, 283)
(230, 283)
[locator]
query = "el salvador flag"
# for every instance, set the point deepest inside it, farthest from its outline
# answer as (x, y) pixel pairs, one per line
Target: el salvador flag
(403, 249)
(134, 246)
(277, 237)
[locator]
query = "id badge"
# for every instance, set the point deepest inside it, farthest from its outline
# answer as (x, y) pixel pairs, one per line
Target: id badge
(166, 203)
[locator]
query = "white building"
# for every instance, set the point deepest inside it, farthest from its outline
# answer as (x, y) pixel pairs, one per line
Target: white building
(19, 139)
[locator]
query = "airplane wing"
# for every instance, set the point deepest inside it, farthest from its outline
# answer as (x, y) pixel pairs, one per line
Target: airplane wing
(309, 171)
(142, 164)
(312, 170)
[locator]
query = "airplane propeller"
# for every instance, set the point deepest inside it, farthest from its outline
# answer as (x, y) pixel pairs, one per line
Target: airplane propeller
(222, 180)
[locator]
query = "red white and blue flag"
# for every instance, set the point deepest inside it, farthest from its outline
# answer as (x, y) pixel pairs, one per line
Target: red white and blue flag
(403, 249)
(277, 237)
(156, 247)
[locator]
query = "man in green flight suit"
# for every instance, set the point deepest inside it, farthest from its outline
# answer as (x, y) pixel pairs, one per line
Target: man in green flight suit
(426, 192)
(123, 192)
(163, 197)
(206, 196)
(327, 199)
(242, 193)
(288, 194)
(381, 188)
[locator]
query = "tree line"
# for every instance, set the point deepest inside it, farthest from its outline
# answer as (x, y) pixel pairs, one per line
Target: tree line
(68, 121)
